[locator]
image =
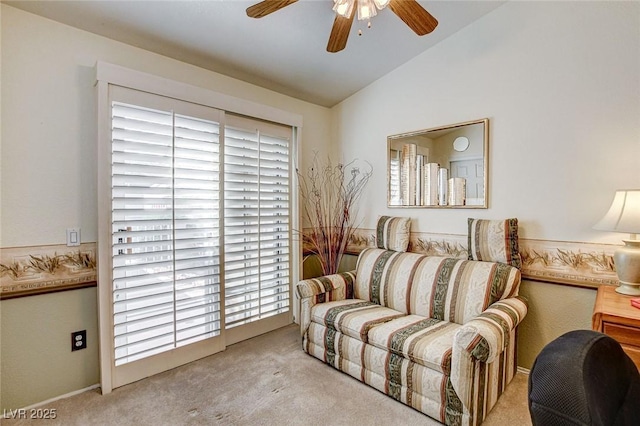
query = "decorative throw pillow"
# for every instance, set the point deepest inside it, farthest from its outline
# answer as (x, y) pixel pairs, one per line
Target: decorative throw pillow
(494, 241)
(392, 233)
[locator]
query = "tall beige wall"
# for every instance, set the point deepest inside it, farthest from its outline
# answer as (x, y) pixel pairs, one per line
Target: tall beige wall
(553, 87)
(37, 362)
(559, 83)
(553, 310)
(48, 183)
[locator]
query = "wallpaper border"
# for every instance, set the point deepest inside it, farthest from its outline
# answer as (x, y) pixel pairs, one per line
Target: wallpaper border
(27, 271)
(562, 262)
(33, 270)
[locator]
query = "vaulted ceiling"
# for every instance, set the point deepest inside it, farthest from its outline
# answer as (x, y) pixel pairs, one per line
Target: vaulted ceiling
(284, 51)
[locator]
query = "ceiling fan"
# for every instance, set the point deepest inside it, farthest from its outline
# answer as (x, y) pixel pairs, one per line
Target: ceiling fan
(410, 11)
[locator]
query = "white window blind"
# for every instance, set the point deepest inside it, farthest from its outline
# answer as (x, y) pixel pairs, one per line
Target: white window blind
(161, 223)
(257, 227)
(165, 230)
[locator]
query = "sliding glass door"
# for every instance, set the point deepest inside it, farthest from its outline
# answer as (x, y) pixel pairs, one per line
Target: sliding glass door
(165, 233)
(198, 233)
(257, 226)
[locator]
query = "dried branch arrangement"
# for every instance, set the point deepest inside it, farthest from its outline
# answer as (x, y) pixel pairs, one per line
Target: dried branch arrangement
(329, 194)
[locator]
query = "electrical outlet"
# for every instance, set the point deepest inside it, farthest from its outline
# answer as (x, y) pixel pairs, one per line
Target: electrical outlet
(78, 340)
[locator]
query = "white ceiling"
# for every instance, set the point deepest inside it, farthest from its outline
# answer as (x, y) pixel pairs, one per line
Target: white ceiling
(284, 52)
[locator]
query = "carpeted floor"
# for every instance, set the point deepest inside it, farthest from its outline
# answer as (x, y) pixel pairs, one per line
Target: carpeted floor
(267, 380)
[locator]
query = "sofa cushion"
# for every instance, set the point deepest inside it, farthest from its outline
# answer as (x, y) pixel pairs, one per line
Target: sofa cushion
(425, 341)
(334, 346)
(384, 277)
(447, 289)
(494, 241)
(459, 290)
(352, 317)
(392, 233)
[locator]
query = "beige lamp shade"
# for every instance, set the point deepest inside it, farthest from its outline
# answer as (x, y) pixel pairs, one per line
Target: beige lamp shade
(624, 213)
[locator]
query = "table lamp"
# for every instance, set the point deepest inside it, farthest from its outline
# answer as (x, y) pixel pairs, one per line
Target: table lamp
(624, 216)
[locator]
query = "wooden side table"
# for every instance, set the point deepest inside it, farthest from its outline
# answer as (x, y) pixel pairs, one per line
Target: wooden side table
(614, 316)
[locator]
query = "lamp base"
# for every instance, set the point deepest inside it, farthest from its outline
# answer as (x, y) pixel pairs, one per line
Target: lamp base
(627, 261)
(630, 289)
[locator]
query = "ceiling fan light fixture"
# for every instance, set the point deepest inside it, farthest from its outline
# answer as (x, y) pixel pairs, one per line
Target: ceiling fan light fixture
(381, 4)
(366, 10)
(343, 7)
(409, 11)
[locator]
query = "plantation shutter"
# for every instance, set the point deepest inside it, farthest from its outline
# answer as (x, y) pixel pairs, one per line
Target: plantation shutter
(257, 225)
(192, 202)
(165, 230)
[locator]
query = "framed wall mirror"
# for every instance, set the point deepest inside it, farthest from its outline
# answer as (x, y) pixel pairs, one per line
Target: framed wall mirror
(443, 167)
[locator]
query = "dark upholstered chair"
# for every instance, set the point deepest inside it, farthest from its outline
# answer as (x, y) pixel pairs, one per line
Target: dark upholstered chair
(584, 378)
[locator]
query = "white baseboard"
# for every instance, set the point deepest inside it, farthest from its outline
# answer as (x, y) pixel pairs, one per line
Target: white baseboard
(523, 370)
(49, 401)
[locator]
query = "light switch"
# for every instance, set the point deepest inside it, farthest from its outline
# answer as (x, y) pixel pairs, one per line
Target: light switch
(73, 237)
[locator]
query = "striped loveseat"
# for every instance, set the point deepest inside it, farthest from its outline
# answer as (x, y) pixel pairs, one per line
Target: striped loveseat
(435, 333)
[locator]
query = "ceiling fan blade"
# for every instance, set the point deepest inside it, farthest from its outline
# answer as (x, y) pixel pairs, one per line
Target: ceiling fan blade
(266, 7)
(414, 15)
(340, 32)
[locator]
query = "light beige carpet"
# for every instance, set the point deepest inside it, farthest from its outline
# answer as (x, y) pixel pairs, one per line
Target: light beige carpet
(267, 380)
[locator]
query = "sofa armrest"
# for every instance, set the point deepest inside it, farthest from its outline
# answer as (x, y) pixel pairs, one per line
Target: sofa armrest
(320, 290)
(480, 342)
(487, 335)
(337, 285)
